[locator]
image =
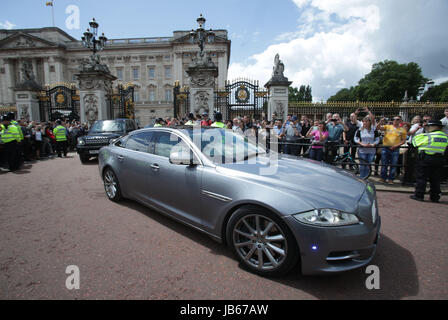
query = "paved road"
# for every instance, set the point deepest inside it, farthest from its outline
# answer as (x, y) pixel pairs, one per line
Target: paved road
(55, 214)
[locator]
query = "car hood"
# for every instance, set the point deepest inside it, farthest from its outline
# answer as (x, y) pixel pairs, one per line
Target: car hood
(312, 184)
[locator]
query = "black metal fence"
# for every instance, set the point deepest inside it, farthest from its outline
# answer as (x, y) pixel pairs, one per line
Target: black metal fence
(405, 168)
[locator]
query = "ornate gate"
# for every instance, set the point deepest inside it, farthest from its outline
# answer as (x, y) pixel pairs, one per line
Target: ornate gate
(121, 102)
(242, 98)
(181, 101)
(59, 101)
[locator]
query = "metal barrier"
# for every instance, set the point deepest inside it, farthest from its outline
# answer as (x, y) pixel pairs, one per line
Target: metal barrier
(405, 166)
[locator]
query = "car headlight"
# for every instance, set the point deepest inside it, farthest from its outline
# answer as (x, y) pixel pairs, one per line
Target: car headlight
(327, 218)
(81, 142)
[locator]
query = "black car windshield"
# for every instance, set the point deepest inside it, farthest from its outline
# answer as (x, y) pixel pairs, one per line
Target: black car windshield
(108, 126)
(225, 146)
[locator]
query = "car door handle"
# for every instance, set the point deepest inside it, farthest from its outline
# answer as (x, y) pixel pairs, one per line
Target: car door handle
(120, 158)
(155, 166)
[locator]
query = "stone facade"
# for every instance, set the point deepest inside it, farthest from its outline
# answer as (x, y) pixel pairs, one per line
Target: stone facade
(152, 64)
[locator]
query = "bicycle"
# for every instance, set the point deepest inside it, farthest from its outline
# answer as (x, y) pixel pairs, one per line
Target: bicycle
(346, 160)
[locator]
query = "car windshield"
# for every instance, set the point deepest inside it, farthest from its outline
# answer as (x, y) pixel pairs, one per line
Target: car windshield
(108, 126)
(225, 146)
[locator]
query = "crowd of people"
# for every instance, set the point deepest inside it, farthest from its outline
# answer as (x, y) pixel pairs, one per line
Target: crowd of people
(377, 142)
(24, 141)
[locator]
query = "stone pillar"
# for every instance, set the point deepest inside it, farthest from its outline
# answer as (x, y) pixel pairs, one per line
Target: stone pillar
(27, 105)
(25, 93)
(278, 88)
(94, 86)
(10, 80)
(47, 76)
(203, 74)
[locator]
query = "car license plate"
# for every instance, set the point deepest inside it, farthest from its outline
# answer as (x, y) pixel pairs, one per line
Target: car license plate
(94, 151)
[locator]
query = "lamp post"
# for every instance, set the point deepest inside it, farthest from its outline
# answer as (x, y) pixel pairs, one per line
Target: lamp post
(89, 40)
(200, 35)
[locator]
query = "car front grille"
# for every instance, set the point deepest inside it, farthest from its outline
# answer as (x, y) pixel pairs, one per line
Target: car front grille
(97, 141)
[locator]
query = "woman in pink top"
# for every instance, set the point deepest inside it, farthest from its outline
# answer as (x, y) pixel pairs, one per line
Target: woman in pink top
(319, 137)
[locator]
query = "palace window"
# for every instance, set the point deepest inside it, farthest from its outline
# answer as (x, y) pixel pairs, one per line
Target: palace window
(168, 72)
(168, 95)
(135, 73)
(152, 95)
(151, 73)
(120, 74)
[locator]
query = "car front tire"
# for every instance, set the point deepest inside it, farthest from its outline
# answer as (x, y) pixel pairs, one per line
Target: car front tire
(83, 158)
(262, 242)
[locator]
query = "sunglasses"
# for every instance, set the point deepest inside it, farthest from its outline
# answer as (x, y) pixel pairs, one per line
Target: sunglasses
(397, 119)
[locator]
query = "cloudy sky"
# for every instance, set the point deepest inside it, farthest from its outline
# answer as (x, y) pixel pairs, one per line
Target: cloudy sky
(328, 44)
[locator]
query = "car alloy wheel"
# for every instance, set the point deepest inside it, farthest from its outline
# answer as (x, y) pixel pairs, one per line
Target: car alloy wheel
(262, 243)
(111, 185)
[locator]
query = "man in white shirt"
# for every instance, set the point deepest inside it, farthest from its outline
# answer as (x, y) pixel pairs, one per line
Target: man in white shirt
(445, 122)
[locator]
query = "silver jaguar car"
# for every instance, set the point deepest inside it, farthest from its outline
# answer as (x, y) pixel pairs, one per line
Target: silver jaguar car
(275, 212)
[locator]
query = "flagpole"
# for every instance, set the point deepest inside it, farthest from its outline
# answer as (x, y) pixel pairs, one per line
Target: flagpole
(52, 12)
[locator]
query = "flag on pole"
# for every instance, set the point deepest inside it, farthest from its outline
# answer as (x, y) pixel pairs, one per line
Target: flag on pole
(51, 4)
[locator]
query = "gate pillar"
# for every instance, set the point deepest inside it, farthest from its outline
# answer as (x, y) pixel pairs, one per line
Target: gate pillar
(203, 74)
(27, 105)
(94, 87)
(278, 88)
(26, 93)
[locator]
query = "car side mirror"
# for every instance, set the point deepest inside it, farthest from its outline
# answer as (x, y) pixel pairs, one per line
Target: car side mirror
(183, 158)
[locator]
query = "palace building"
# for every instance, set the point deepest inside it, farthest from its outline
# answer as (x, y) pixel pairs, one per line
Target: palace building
(153, 65)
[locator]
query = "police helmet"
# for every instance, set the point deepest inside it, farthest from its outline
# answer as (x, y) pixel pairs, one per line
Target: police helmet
(218, 116)
(437, 123)
(11, 115)
(5, 118)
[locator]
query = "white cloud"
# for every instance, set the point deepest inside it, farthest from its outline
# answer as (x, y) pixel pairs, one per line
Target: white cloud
(7, 25)
(337, 42)
(331, 46)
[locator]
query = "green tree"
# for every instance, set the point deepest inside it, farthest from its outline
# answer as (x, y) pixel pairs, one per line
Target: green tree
(387, 81)
(304, 93)
(308, 96)
(437, 94)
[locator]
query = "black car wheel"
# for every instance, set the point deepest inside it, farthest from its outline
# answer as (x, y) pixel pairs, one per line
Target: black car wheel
(111, 185)
(83, 158)
(262, 242)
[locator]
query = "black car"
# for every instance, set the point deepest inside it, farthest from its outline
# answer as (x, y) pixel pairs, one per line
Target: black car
(101, 134)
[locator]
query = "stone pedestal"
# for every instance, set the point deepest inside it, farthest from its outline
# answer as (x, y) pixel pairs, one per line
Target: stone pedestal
(203, 74)
(278, 88)
(94, 86)
(278, 99)
(27, 105)
(26, 96)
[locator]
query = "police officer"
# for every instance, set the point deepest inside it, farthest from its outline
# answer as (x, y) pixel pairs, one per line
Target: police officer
(431, 148)
(191, 120)
(218, 121)
(60, 134)
(9, 137)
(20, 138)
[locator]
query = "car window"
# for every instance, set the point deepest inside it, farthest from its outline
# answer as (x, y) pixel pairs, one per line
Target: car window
(165, 143)
(129, 126)
(107, 126)
(139, 142)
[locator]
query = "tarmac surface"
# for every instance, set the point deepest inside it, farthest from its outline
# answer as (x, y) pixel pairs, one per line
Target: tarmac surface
(55, 214)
